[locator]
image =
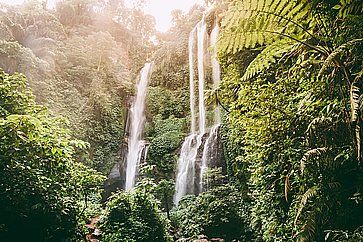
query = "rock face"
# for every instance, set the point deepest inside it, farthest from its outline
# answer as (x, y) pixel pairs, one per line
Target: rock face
(117, 177)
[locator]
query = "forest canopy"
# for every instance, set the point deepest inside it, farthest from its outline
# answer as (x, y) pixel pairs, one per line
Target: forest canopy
(252, 110)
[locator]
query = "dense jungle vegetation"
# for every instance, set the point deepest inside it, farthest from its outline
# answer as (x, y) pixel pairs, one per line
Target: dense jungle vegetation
(292, 130)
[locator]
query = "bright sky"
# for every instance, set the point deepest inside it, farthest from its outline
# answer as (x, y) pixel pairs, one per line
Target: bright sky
(160, 9)
(12, 1)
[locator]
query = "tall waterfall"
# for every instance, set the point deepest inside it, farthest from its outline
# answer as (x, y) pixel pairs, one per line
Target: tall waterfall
(191, 80)
(137, 148)
(186, 181)
(211, 145)
(202, 34)
(216, 68)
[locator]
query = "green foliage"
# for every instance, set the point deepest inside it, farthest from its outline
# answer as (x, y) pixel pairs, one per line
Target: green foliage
(133, 217)
(165, 138)
(347, 7)
(80, 59)
(250, 23)
(41, 185)
(162, 189)
(344, 236)
(167, 103)
(267, 58)
(220, 212)
(289, 120)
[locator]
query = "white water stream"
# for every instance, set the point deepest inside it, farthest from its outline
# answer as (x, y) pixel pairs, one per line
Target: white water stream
(210, 152)
(202, 35)
(211, 144)
(216, 69)
(137, 148)
(191, 80)
(186, 176)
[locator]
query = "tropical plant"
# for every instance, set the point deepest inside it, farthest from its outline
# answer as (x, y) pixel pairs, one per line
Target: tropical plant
(218, 213)
(133, 217)
(289, 113)
(42, 187)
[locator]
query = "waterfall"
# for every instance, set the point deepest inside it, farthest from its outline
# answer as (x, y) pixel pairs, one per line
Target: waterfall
(210, 154)
(210, 146)
(186, 169)
(202, 32)
(136, 146)
(216, 69)
(191, 80)
(186, 176)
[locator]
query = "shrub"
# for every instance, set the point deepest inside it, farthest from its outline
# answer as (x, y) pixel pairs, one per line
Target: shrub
(41, 186)
(133, 216)
(221, 212)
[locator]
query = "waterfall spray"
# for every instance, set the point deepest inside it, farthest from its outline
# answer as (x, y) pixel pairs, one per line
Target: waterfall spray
(137, 147)
(188, 181)
(186, 176)
(202, 31)
(209, 150)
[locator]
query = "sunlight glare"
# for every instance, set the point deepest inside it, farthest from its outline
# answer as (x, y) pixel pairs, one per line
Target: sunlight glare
(161, 10)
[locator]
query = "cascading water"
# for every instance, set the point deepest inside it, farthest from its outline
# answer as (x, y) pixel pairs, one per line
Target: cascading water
(186, 176)
(216, 68)
(210, 153)
(191, 80)
(211, 145)
(202, 32)
(186, 168)
(136, 146)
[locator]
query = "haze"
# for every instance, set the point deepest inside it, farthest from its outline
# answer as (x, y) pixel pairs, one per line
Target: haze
(160, 9)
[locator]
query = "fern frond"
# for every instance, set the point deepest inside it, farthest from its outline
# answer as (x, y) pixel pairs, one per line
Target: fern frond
(250, 23)
(329, 61)
(347, 7)
(318, 121)
(334, 185)
(308, 230)
(311, 192)
(309, 154)
(354, 101)
(267, 57)
(358, 140)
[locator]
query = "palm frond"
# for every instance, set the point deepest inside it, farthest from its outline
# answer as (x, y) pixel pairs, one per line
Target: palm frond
(354, 101)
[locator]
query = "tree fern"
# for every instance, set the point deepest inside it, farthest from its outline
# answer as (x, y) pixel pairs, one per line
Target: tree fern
(251, 23)
(347, 7)
(332, 57)
(269, 56)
